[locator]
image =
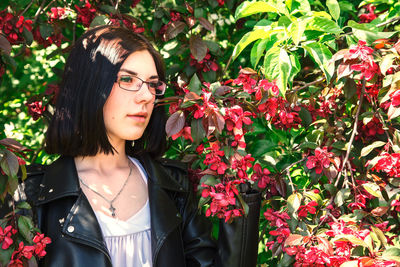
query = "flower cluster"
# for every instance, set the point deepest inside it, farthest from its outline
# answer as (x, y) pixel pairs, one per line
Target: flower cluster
(214, 160)
(361, 59)
(222, 196)
(35, 109)
(370, 16)
(205, 65)
(27, 252)
(388, 163)
(320, 161)
(13, 26)
(281, 113)
(86, 14)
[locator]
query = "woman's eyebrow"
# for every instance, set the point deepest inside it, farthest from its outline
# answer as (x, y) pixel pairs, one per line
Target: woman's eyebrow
(135, 74)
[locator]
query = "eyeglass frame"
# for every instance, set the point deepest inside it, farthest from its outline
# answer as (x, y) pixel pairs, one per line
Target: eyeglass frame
(118, 80)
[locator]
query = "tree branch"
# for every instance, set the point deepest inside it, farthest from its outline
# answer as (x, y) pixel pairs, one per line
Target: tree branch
(388, 22)
(309, 84)
(353, 134)
(27, 7)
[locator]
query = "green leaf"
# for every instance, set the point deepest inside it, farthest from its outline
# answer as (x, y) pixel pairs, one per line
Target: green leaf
(23, 205)
(197, 130)
(28, 36)
(98, 21)
(195, 84)
(305, 116)
(321, 55)
(5, 256)
(391, 253)
(386, 63)
(366, 150)
(323, 24)
(247, 39)
(352, 239)
(373, 189)
(367, 33)
(334, 8)
(294, 202)
(277, 65)
(310, 145)
(381, 236)
(25, 225)
(297, 31)
(249, 8)
(46, 30)
(210, 180)
(341, 196)
(261, 147)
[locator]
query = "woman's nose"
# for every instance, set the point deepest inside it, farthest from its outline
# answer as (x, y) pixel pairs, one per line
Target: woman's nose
(144, 94)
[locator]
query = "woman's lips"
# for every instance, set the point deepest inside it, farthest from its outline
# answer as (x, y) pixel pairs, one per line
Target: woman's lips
(139, 117)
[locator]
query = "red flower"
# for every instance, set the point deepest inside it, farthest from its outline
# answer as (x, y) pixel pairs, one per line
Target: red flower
(308, 208)
(12, 27)
(5, 236)
(277, 218)
(247, 81)
(320, 160)
(57, 13)
(35, 109)
(235, 117)
(213, 158)
(265, 85)
(396, 204)
(365, 18)
(389, 163)
(395, 98)
(206, 64)
(260, 175)
(40, 244)
(86, 14)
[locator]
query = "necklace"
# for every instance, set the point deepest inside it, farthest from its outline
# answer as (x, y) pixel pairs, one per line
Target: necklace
(110, 202)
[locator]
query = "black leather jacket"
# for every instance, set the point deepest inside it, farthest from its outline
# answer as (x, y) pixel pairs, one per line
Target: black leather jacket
(180, 236)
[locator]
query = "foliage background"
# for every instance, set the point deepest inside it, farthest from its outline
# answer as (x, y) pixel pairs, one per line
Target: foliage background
(312, 130)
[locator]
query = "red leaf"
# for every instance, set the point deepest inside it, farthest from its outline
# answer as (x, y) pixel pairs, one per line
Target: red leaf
(379, 211)
(191, 96)
(206, 24)
(343, 70)
(174, 29)
(5, 45)
(293, 240)
(13, 144)
(198, 47)
(175, 123)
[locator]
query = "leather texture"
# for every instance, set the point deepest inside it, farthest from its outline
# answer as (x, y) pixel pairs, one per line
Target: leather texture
(180, 235)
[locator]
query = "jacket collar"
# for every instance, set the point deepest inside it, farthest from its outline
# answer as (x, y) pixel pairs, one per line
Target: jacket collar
(61, 179)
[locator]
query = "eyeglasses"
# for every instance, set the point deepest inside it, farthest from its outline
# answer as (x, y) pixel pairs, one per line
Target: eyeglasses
(133, 83)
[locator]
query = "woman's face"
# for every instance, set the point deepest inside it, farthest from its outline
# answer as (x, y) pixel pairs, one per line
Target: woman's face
(127, 113)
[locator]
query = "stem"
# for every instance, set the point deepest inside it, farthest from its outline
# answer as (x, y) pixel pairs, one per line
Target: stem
(290, 179)
(309, 84)
(353, 134)
(39, 11)
(27, 7)
(291, 165)
(227, 65)
(388, 22)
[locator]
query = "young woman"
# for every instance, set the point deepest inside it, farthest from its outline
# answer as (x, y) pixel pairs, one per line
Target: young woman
(110, 199)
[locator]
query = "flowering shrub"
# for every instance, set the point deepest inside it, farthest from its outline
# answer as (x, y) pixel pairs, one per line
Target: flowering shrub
(298, 100)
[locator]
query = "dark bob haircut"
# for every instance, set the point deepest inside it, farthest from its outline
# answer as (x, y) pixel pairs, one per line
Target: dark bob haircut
(77, 127)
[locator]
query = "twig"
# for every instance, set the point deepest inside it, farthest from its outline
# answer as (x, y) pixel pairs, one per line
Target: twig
(291, 165)
(227, 65)
(38, 11)
(351, 173)
(388, 22)
(309, 84)
(290, 180)
(353, 134)
(27, 7)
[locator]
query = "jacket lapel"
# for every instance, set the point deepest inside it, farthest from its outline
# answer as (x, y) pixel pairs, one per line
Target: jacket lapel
(164, 215)
(61, 180)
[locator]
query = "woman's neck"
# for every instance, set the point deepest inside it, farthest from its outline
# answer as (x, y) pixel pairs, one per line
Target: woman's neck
(104, 163)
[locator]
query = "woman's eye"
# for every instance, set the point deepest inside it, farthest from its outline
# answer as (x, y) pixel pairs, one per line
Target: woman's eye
(126, 79)
(154, 84)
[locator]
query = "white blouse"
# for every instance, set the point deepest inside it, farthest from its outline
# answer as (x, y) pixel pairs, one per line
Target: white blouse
(129, 242)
